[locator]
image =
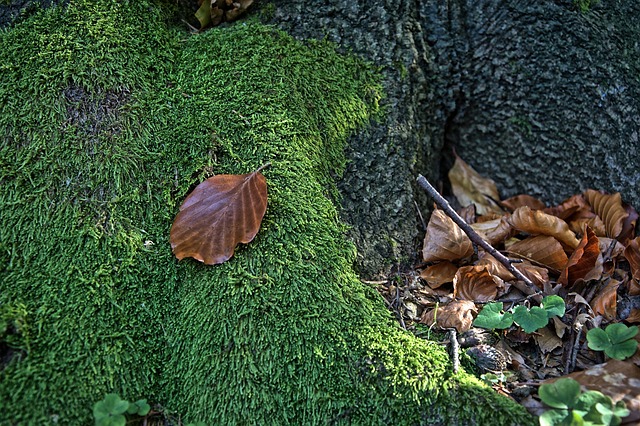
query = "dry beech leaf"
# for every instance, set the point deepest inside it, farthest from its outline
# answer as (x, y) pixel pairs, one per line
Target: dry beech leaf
(610, 209)
(605, 303)
(547, 340)
(470, 187)
(439, 273)
(456, 314)
(444, 239)
(629, 224)
(513, 203)
(476, 283)
(583, 260)
(494, 231)
(543, 250)
(538, 275)
(221, 212)
(572, 206)
(536, 222)
(620, 380)
(594, 222)
(632, 254)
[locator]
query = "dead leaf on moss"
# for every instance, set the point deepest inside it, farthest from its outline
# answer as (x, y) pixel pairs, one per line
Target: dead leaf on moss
(456, 314)
(536, 222)
(221, 212)
(583, 260)
(444, 240)
(610, 209)
(470, 187)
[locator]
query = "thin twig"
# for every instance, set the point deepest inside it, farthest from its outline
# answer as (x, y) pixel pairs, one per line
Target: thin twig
(454, 347)
(529, 288)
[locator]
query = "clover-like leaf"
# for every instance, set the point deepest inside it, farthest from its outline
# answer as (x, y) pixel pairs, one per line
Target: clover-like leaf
(560, 418)
(554, 306)
(616, 340)
(530, 319)
(220, 213)
(492, 317)
(110, 411)
(563, 393)
(140, 407)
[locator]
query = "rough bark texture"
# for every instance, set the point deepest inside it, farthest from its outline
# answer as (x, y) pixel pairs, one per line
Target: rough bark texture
(536, 95)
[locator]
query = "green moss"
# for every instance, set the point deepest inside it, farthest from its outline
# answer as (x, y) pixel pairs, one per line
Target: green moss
(109, 117)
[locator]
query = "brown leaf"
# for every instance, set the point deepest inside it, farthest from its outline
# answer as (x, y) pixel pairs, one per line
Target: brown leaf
(629, 224)
(605, 303)
(610, 209)
(575, 205)
(632, 254)
(547, 340)
(536, 222)
(456, 314)
(476, 283)
(541, 249)
(513, 203)
(538, 275)
(620, 380)
(221, 212)
(444, 239)
(494, 231)
(439, 273)
(583, 259)
(594, 222)
(470, 187)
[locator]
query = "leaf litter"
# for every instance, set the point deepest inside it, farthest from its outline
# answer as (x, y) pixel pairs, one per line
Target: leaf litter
(583, 250)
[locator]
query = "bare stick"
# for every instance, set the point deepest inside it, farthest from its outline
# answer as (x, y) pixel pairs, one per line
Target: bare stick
(529, 288)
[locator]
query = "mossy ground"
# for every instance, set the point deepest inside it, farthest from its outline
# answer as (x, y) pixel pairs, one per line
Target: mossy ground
(110, 115)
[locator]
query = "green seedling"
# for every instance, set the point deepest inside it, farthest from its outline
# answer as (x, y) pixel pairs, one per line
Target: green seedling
(572, 407)
(110, 411)
(530, 319)
(617, 340)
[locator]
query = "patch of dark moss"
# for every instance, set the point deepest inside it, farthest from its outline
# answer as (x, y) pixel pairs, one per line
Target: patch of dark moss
(107, 121)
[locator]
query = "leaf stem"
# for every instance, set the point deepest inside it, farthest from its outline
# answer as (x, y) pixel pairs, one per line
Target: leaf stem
(529, 288)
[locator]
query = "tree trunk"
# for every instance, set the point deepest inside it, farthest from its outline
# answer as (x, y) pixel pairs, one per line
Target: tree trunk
(540, 97)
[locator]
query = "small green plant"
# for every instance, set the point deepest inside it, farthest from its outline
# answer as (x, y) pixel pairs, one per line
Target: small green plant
(572, 407)
(584, 5)
(111, 410)
(617, 340)
(531, 319)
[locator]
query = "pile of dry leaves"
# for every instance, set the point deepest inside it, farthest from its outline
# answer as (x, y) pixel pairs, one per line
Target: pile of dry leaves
(584, 250)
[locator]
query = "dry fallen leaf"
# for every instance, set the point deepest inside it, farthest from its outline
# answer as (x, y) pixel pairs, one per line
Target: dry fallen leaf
(456, 314)
(571, 207)
(494, 231)
(605, 302)
(632, 254)
(538, 275)
(610, 209)
(444, 239)
(221, 212)
(439, 273)
(543, 250)
(513, 203)
(476, 283)
(470, 187)
(583, 260)
(536, 222)
(620, 380)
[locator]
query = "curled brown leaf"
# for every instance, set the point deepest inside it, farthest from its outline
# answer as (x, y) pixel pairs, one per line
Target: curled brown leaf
(543, 250)
(583, 260)
(536, 222)
(610, 209)
(476, 283)
(445, 240)
(470, 187)
(513, 203)
(439, 274)
(456, 314)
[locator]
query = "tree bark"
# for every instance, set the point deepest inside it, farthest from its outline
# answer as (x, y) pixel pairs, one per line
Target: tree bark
(538, 96)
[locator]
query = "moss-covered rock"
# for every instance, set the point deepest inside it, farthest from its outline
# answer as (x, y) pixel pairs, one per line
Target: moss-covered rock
(110, 115)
